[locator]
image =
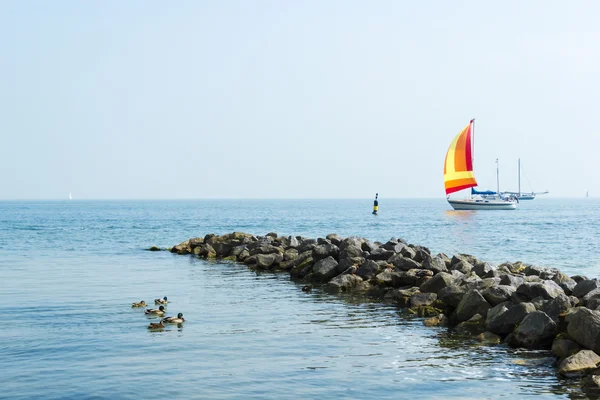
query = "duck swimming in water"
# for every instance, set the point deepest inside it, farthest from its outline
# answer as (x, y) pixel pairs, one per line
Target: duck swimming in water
(161, 301)
(156, 326)
(157, 311)
(174, 320)
(140, 304)
(306, 288)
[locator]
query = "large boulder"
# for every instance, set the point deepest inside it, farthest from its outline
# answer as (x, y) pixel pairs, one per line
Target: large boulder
(422, 299)
(498, 294)
(325, 269)
(463, 257)
(462, 266)
(472, 303)
(343, 283)
(592, 293)
(511, 280)
(536, 330)
(403, 263)
(452, 295)
(504, 317)
(368, 270)
(484, 270)
(543, 272)
(563, 348)
(567, 284)
(584, 328)
(435, 264)
(437, 283)
(547, 290)
(266, 261)
(579, 363)
(322, 251)
(556, 307)
(369, 246)
(381, 254)
(585, 286)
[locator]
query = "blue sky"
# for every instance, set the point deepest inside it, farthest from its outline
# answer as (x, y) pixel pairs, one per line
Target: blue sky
(312, 99)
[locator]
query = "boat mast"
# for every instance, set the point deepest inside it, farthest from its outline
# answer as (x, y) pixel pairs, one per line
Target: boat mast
(519, 191)
(472, 151)
(497, 177)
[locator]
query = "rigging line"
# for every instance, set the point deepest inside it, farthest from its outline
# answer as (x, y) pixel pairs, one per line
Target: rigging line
(526, 177)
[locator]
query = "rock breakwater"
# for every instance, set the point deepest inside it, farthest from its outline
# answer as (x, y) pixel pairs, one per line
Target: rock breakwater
(515, 303)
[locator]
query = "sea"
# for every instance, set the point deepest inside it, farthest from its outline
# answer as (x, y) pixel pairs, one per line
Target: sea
(69, 271)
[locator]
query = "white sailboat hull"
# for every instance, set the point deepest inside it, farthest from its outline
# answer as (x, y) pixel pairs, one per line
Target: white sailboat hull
(482, 204)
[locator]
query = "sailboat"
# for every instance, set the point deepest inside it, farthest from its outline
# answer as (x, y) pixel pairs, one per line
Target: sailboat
(70, 196)
(459, 175)
(523, 195)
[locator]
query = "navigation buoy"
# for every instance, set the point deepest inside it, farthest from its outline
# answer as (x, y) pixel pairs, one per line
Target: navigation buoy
(375, 205)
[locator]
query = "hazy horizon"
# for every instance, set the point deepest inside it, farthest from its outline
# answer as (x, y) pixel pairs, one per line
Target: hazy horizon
(276, 100)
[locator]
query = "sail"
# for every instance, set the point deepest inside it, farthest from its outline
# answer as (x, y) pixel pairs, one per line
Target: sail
(458, 168)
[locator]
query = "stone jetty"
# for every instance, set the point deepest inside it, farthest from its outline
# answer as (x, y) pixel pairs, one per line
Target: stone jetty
(519, 304)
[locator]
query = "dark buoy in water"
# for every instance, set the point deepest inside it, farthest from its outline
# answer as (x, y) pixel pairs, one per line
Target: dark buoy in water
(375, 205)
(306, 288)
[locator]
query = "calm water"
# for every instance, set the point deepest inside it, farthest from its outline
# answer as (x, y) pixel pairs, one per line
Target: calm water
(71, 269)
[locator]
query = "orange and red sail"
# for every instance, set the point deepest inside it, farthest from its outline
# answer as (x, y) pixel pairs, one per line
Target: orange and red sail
(458, 168)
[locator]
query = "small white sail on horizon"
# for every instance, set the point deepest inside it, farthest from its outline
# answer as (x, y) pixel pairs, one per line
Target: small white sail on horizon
(70, 196)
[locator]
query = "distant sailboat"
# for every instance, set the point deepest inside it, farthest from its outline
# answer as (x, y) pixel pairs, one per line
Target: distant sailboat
(522, 195)
(458, 175)
(70, 196)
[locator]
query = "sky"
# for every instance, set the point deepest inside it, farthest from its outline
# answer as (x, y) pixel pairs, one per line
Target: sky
(308, 99)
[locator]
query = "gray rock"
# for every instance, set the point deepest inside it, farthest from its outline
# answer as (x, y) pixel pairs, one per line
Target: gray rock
(334, 238)
(353, 241)
(369, 246)
(350, 251)
(556, 307)
(567, 284)
(421, 253)
(462, 266)
(543, 272)
(472, 303)
(536, 330)
(484, 270)
(469, 259)
(322, 251)
(343, 283)
(293, 242)
(589, 295)
(585, 286)
(325, 269)
(579, 278)
(503, 318)
(263, 248)
(579, 363)
(498, 294)
(435, 264)
(422, 299)
(452, 295)
(511, 280)
(563, 348)
(447, 260)
(306, 245)
(437, 283)
(403, 263)
(584, 328)
(593, 303)
(408, 252)
(547, 290)
(368, 270)
(381, 254)
(266, 261)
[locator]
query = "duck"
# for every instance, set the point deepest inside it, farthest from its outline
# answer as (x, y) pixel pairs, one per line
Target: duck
(156, 326)
(161, 301)
(306, 288)
(158, 311)
(174, 320)
(140, 304)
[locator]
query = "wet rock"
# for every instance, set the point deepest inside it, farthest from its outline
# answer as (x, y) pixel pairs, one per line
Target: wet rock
(306, 245)
(334, 238)
(439, 320)
(547, 290)
(408, 252)
(556, 307)
(343, 283)
(288, 255)
(591, 384)
(567, 284)
(563, 348)
(422, 299)
(462, 266)
(266, 261)
(592, 293)
(474, 324)
(579, 278)
(403, 263)
(325, 269)
(543, 272)
(485, 270)
(421, 253)
(536, 330)
(511, 280)
(578, 364)
(435, 264)
(593, 303)
(322, 251)
(437, 283)
(469, 259)
(452, 295)
(381, 254)
(497, 294)
(504, 317)
(489, 338)
(369, 246)
(585, 286)
(368, 270)
(584, 328)
(472, 303)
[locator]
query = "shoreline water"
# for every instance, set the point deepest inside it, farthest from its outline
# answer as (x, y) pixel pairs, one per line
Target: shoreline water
(518, 304)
